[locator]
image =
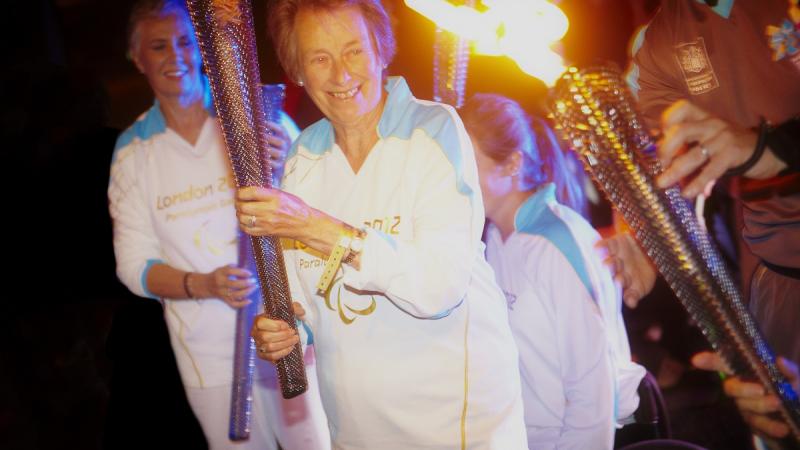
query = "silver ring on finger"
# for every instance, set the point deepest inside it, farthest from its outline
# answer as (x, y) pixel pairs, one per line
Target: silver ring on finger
(251, 222)
(704, 152)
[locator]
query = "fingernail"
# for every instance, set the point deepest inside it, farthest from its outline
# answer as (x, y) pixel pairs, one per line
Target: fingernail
(689, 193)
(662, 181)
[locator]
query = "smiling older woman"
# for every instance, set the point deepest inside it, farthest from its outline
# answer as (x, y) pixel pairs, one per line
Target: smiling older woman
(382, 207)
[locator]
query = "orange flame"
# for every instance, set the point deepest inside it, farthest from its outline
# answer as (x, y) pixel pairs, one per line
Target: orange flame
(523, 30)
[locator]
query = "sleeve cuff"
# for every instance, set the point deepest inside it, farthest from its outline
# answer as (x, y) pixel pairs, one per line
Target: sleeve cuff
(148, 265)
(306, 335)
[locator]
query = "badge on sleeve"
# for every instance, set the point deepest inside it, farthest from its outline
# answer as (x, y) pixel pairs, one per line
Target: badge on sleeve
(784, 38)
(696, 67)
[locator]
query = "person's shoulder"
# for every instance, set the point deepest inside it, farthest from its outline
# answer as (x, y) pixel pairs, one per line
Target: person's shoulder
(315, 139)
(551, 230)
(148, 126)
(405, 114)
(432, 117)
(542, 215)
(557, 233)
(538, 259)
(661, 28)
(433, 131)
(314, 144)
(575, 222)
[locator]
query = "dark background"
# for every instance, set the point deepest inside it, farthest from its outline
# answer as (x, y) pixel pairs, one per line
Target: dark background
(83, 363)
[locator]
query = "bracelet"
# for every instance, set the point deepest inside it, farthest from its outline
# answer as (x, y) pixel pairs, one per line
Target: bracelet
(784, 141)
(189, 293)
(763, 128)
(333, 263)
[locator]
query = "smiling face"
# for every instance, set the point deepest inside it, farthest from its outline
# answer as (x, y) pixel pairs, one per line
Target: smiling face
(166, 52)
(340, 66)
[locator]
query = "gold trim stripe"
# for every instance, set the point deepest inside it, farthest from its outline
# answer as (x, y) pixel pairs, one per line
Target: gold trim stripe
(466, 384)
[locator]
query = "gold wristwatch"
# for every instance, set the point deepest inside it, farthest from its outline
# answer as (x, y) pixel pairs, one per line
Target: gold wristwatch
(356, 245)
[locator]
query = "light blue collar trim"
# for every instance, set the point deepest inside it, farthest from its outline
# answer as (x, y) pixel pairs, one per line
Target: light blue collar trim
(723, 8)
(399, 96)
(528, 213)
(535, 217)
(403, 114)
(149, 125)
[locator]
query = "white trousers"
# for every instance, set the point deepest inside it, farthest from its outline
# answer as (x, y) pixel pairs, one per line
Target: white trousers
(298, 424)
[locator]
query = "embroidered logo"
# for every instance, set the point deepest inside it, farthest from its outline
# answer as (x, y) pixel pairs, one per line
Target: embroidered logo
(784, 39)
(696, 67)
(347, 313)
(693, 60)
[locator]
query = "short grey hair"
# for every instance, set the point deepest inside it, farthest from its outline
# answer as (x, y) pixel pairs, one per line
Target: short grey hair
(281, 20)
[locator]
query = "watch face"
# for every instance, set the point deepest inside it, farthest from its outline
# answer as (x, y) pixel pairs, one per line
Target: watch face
(356, 244)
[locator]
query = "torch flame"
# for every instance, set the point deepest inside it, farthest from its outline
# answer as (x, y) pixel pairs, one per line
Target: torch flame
(523, 30)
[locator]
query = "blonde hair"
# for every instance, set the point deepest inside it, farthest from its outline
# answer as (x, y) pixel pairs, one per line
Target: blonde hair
(150, 9)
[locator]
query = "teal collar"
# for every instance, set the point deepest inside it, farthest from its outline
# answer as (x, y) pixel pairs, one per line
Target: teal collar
(530, 210)
(723, 8)
(399, 95)
(536, 217)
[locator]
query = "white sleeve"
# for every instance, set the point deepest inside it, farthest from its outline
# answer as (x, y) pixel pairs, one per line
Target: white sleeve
(586, 370)
(428, 274)
(136, 246)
